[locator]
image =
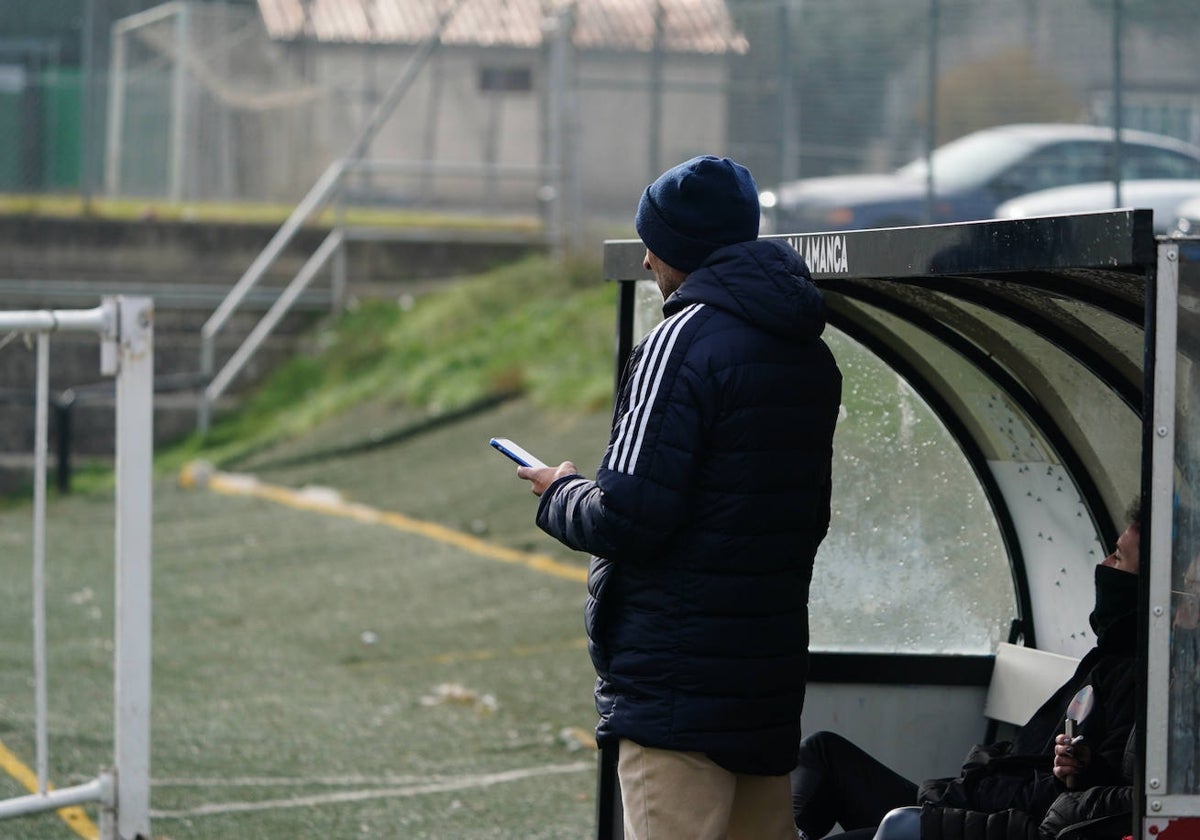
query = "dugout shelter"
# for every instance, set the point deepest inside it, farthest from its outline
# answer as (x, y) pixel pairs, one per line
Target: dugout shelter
(1010, 388)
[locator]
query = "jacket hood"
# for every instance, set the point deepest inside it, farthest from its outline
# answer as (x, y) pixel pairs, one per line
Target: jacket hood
(763, 282)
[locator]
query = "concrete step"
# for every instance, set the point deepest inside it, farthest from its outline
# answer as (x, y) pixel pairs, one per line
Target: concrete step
(204, 298)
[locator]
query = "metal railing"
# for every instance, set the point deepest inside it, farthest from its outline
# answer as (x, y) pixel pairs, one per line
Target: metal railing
(220, 383)
(317, 197)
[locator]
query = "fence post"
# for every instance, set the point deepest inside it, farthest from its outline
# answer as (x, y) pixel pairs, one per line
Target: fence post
(62, 429)
(133, 355)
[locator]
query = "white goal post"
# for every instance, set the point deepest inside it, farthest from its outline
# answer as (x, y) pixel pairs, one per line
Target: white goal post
(125, 327)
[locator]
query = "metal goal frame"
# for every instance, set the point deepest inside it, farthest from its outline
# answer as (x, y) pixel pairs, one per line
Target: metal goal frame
(125, 327)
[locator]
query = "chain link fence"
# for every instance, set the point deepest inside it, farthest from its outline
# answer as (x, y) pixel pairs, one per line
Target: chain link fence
(201, 107)
(842, 86)
(194, 102)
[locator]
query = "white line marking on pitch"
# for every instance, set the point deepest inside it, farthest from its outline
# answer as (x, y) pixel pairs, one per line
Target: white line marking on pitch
(439, 786)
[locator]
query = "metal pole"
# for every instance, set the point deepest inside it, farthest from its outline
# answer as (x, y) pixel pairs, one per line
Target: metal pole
(339, 271)
(179, 89)
(41, 415)
(62, 417)
(556, 119)
(931, 124)
(116, 110)
(572, 166)
(89, 107)
(610, 824)
(789, 155)
(1118, 83)
(655, 111)
(430, 134)
(1159, 436)
(135, 424)
(97, 790)
(58, 320)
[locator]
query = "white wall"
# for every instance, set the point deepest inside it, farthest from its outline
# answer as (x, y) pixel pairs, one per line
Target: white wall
(445, 117)
(616, 126)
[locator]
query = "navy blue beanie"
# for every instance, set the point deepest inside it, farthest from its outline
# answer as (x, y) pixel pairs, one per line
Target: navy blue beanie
(697, 207)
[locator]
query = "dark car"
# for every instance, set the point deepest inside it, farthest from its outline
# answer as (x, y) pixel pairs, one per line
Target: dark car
(974, 174)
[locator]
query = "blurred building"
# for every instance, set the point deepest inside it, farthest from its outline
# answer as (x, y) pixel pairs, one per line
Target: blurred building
(613, 90)
(524, 100)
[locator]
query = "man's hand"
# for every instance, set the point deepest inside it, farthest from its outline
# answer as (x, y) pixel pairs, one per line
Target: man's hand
(1071, 757)
(543, 477)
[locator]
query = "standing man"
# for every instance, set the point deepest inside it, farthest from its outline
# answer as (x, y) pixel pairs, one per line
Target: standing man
(704, 518)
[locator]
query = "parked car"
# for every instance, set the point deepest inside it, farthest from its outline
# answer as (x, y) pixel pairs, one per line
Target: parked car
(1187, 219)
(1163, 196)
(974, 174)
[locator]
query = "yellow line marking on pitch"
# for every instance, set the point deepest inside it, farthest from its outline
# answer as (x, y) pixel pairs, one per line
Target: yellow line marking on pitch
(72, 815)
(329, 502)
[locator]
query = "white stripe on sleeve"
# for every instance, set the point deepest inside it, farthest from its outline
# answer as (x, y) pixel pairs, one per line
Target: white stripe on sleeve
(644, 389)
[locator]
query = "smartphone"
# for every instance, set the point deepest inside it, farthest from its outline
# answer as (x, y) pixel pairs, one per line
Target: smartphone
(517, 453)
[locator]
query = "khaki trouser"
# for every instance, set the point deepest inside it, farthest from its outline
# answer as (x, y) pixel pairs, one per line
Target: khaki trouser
(670, 795)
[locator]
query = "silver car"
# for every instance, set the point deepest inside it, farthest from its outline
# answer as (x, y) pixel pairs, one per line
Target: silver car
(974, 174)
(1163, 196)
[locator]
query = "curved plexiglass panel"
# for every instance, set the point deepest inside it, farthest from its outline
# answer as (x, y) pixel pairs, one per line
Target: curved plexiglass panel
(914, 560)
(1095, 421)
(1056, 539)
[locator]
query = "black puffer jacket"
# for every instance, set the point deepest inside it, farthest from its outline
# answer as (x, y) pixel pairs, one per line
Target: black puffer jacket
(706, 514)
(959, 824)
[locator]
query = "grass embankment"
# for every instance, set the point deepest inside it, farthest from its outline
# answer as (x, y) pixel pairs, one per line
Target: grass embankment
(533, 328)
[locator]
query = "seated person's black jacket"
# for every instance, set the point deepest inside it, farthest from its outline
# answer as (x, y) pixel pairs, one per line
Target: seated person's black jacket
(1098, 812)
(1018, 774)
(960, 824)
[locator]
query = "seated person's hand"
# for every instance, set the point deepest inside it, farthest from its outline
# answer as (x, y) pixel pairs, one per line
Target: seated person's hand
(1071, 757)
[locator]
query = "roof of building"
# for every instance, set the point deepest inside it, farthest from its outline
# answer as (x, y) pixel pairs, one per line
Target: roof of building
(693, 26)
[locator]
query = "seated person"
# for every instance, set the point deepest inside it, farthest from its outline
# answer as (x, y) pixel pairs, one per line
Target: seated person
(835, 782)
(1106, 812)
(1103, 812)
